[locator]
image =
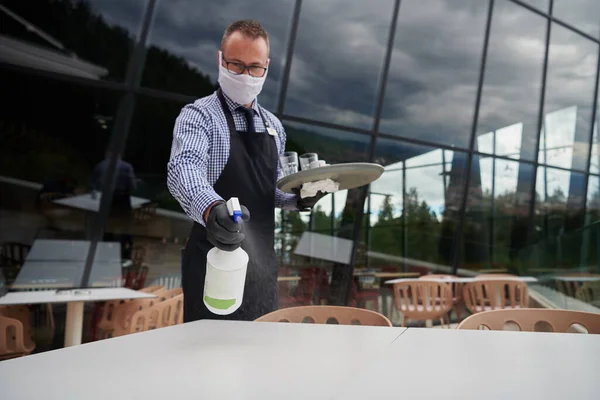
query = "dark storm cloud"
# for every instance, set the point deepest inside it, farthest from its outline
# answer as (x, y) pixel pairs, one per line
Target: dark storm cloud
(435, 64)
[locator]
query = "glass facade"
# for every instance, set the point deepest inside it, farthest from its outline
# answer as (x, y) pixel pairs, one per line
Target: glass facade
(483, 114)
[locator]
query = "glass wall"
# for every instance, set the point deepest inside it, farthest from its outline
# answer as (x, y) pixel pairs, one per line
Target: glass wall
(481, 113)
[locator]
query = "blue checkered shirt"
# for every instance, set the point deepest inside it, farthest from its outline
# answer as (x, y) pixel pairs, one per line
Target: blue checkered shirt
(200, 150)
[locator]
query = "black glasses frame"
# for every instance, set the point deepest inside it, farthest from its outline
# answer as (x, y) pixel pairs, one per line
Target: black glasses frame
(244, 68)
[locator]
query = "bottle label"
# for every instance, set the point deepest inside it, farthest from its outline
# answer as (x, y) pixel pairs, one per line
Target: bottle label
(224, 289)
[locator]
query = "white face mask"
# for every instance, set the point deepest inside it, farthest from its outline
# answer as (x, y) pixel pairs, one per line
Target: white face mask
(243, 88)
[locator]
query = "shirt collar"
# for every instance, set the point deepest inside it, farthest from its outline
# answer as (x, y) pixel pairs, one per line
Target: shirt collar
(233, 106)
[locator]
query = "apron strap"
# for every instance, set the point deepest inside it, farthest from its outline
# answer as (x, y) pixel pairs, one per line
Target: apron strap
(229, 117)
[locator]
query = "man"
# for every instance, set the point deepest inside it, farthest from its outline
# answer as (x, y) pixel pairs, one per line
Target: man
(226, 145)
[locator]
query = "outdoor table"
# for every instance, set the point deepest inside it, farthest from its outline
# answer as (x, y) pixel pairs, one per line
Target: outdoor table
(271, 360)
(75, 300)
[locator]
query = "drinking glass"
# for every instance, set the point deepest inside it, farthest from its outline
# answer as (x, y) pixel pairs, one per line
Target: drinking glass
(306, 159)
(289, 163)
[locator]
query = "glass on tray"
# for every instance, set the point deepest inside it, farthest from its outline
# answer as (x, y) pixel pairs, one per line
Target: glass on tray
(289, 162)
(306, 159)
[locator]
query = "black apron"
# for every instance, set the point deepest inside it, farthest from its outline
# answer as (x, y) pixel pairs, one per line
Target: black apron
(249, 175)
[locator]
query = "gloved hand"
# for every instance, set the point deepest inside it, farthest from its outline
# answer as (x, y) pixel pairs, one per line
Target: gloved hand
(222, 231)
(307, 203)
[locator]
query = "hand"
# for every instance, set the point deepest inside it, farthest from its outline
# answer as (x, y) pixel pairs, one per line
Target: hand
(307, 203)
(222, 231)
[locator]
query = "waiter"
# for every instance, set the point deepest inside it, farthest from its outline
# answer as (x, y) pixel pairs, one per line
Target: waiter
(226, 145)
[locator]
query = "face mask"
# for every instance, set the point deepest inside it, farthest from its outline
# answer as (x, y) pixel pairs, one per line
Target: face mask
(243, 88)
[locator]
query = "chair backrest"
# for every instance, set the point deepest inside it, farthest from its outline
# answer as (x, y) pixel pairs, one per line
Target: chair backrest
(168, 281)
(159, 315)
(490, 294)
(22, 314)
(423, 299)
(457, 287)
(168, 294)
(14, 253)
(327, 315)
(533, 319)
(13, 340)
(589, 292)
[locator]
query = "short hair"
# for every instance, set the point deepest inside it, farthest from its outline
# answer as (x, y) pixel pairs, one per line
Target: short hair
(247, 27)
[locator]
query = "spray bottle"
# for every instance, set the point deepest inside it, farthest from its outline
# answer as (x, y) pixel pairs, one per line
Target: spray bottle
(226, 273)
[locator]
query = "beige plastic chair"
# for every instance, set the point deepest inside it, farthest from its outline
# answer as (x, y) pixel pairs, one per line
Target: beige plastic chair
(570, 288)
(533, 319)
(327, 315)
(159, 315)
(456, 291)
(14, 342)
(116, 314)
(16, 336)
(484, 295)
(589, 293)
(423, 300)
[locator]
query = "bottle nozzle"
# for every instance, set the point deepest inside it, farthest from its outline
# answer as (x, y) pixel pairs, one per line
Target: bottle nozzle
(234, 208)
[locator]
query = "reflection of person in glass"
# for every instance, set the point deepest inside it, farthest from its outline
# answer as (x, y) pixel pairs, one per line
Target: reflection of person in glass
(226, 145)
(124, 186)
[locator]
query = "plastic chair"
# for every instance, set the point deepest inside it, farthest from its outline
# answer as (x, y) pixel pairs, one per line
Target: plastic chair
(589, 293)
(168, 281)
(327, 315)
(159, 315)
(490, 294)
(13, 340)
(423, 300)
(457, 289)
(528, 319)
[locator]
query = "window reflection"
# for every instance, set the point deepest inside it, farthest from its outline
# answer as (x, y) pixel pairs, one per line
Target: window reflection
(511, 90)
(570, 84)
(91, 39)
(338, 57)
(186, 36)
(407, 206)
(434, 71)
(582, 14)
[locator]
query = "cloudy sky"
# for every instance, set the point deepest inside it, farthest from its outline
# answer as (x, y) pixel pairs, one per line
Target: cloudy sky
(430, 93)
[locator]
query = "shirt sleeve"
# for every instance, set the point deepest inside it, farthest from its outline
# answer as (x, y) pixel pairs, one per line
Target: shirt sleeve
(283, 200)
(187, 167)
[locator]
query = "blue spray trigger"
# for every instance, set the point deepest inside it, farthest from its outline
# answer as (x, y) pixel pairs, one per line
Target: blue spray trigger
(235, 210)
(237, 216)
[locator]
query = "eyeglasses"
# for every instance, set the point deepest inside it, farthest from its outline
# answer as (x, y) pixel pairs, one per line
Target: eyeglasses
(237, 68)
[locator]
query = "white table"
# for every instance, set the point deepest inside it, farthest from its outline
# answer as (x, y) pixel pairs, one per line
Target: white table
(577, 278)
(460, 279)
(60, 263)
(259, 360)
(88, 203)
(462, 364)
(75, 300)
(203, 360)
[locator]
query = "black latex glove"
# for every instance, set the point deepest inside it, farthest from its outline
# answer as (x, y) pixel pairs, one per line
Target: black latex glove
(307, 203)
(222, 231)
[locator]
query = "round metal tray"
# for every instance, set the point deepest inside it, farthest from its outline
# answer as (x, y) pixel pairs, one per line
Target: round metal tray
(349, 176)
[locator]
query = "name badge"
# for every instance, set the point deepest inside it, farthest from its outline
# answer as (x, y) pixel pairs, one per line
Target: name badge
(272, 131)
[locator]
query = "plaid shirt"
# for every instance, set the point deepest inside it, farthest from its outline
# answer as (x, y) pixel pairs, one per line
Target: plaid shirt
(200, 150)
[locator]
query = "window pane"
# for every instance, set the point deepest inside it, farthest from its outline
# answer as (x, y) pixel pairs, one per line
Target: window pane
(47, 163)
(434, 71)
(582, 14)
(497, 215)
(510, 99)
(186, 37)
(412, 207)
(337, 61)
(542, 5)
(569, 97)
(91, 39)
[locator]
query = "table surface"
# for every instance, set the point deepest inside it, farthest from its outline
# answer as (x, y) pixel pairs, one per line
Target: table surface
(203, 360)
(68, 296)
(86, 202)
(60, 263)
(260, 360)
(470, 364)
(577, 278)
